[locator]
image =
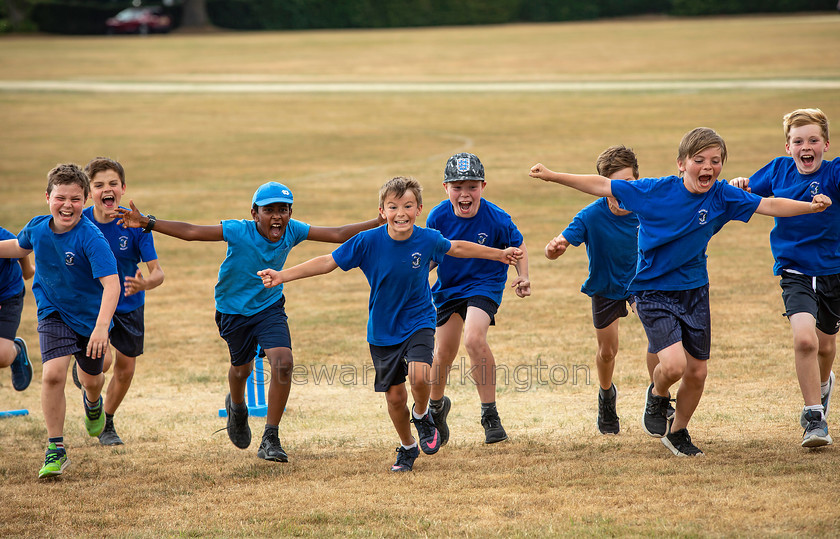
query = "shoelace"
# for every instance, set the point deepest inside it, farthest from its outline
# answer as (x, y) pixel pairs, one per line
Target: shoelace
(53, 456)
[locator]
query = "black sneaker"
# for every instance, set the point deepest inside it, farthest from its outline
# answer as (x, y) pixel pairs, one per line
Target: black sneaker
(21, 367)
(428, 437)
(493, 430)
(109, 436)
(238, 429)
(655, 419)
(680, 443)
(671, 410)
(405, 459)
(76, 381)
(270, 449)
(607, 418)
(439, 417)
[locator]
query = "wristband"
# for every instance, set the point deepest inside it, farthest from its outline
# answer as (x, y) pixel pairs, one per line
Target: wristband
(151, 225)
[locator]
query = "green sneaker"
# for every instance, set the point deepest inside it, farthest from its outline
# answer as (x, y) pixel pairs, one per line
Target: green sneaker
(94, 418)
(54, 462)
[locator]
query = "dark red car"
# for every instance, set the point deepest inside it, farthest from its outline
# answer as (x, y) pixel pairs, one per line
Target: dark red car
(139, 20)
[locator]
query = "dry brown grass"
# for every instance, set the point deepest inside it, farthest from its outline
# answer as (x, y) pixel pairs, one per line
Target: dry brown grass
(199, 158)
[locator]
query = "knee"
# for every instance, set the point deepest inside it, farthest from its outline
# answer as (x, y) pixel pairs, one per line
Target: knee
(396, 401)
(607, 352)
(475, 343)
(804, 344)
(672, 371)
(696, 376)
(281, 365)
(124, 369)
(241, 372)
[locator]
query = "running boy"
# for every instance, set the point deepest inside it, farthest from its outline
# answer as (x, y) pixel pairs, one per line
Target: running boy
(107, 186)
(13, 352)
(611, 237)
(677, 218)
(396, 258)
(247, 314)
(76, 288)
(807, 253)
(468, 291)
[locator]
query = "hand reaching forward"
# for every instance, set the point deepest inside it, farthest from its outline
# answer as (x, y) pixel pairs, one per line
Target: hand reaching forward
(820, 203)
(270, 277)
(130, 218)
(522, 286)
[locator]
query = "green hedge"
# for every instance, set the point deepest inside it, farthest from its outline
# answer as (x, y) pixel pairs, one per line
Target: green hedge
(731, 7)
(83, 17)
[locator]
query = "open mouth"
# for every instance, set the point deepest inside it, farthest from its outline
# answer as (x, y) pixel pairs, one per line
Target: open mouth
(109, 201)
(464, 206)
(275, 230)
(65, 214)
(807, 160)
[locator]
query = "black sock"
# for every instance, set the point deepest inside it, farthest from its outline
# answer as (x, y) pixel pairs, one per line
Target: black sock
(488, 407)
(271, 429)
(109, 419)
(437, 404)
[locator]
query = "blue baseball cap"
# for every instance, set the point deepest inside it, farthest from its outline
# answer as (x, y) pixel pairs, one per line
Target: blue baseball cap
(271, 192)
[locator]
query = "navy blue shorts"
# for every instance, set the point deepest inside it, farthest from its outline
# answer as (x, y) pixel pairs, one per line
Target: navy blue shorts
(127, 332)
(268, 328)
(605, 311)
(459, 307)
(10, 310)
(818, 296)
(57, 339)
(677, 316)
(391, 362)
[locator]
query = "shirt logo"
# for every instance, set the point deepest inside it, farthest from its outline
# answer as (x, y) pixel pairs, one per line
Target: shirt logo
(463, 164)
(482, 238)
(123, 243)
(69, 258)
(814, 188)
(702, 215)
(415, 260)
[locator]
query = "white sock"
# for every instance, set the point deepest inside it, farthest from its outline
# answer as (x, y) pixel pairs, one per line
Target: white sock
(409, 446)
(824, 388)
(416, 416)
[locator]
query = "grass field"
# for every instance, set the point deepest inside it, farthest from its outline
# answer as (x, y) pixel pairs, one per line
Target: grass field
(197, 156)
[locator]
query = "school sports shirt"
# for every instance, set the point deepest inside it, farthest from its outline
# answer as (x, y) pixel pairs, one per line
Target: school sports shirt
(11, 276)
(459, 278)
(611, 245)
(239, 289)
(810, 243)
(398, 273)
(67, 270)
(675, 227)
(130, 246)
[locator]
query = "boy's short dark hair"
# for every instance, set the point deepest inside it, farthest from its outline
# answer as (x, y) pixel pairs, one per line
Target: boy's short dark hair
(617, 158)
(100, 164)
(801, 117)
(698, 140)
(398, 186)
(68, 174)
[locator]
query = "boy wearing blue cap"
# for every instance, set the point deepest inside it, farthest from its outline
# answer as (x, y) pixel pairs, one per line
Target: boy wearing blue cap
(249, 315)
(13, 352)
(468, 291)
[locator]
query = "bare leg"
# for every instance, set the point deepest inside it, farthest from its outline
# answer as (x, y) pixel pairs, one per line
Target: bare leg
(282, 363)
(605, 357)
(805, 350)
(397, 398)
(481, 357)
(447, 342)
(124, 367)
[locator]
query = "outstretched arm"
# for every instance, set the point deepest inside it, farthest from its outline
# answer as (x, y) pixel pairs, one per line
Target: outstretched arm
(134, 219)
(741, 183)
(556, 247)
(12, 249)
(340, 234)
(468, 249)
(587, 183)
(138, 283)
(315, 266)
(98, 342)
(522, 284)
(785, 207)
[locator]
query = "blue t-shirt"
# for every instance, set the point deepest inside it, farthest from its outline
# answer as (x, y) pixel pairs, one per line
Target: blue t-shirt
(130, 246)
(809, 243)
(398, 273)
(11, 276)
(67, 270)
(459, 278)
(612, 245)
(675, 226)
(239, 289)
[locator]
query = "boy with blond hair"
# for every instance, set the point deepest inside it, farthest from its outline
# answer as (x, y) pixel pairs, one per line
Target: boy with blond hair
(677, 217)
(468, 291)
(76, 288)
(807, 253)
(396, 259)
(611, 237)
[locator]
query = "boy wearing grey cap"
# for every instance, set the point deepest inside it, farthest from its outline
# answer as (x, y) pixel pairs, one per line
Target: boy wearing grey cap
(249, 315)
(468, 291)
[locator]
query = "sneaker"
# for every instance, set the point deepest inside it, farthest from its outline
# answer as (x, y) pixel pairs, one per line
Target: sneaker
(655, 419)
(109, 436)
(439, 417)
(21, 367)
(826, 400)
(54, 462)
(816, 433)
(238, 429)
(427, 434)
(270, 449)
(76, 381)
(671, 410)
(680, 443)
(94, 418)
(405, 459)
(493, 430)
(607, 418)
